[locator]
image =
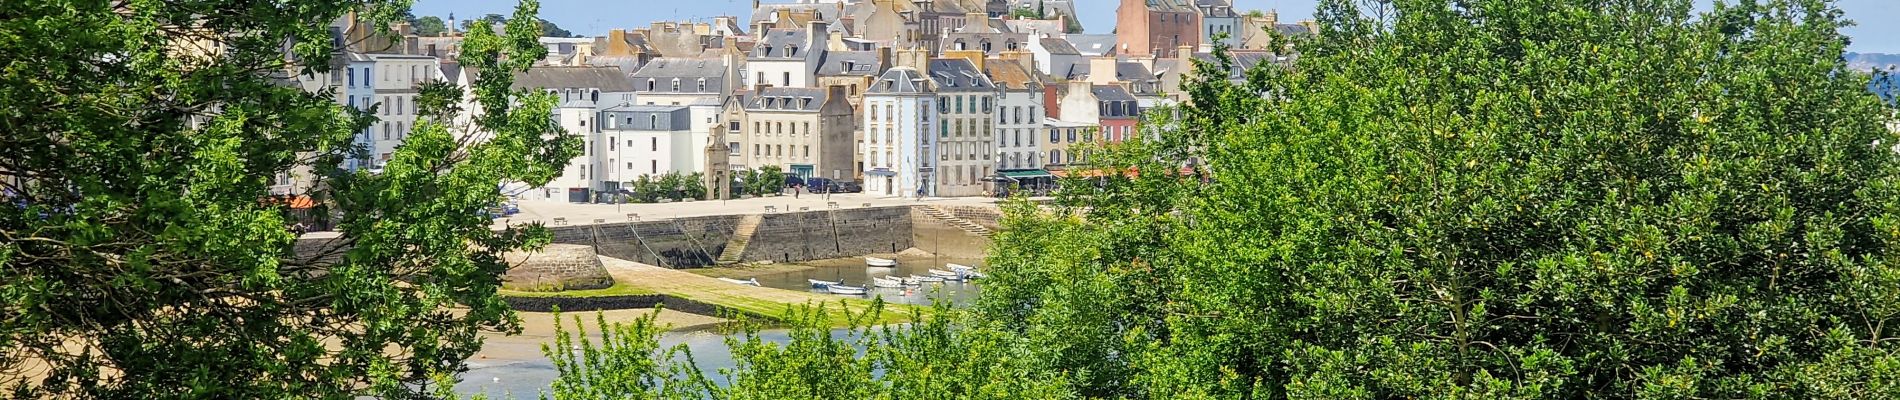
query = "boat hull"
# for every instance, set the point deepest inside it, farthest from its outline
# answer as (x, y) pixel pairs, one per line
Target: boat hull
(845, 290)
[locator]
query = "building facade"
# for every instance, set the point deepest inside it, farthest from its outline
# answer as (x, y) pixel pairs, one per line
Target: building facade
(899, 150)
(649, 141)
(806, 132)
(1156, 27)
(966, 128)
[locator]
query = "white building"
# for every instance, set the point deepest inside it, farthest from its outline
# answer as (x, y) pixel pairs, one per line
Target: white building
(788, 57)
(395, 79)
(684, 81)
(648, 141)
(359, 93)
(581, 177)
(966, 128)
(1018, 117)
(899, 154)
(1057, 57)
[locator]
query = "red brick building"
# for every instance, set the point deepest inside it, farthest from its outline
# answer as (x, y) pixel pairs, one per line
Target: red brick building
(1156, 27)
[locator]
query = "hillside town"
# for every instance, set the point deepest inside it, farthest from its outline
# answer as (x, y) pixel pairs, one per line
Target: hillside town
(893, 98)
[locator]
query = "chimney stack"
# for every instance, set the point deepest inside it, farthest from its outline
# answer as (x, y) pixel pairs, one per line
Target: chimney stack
(1102, 70)
(1183, 52)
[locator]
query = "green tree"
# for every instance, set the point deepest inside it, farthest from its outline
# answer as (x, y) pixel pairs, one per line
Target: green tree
(696, 186)
(548, 29)
(1490, 199)
(429, 26)
(138, 259)
(771, 180)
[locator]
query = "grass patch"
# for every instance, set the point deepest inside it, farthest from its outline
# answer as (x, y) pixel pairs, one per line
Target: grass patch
(893, 313)
(618, 289)
(748, 271)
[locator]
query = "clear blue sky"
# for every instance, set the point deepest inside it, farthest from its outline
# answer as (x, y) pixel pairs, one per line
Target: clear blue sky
(1877, 30)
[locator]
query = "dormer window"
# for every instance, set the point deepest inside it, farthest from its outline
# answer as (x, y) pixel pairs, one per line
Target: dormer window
(676, 84)
(765, 51)
(791, 51)
(702, 85)
(650, 84)
(804, 103)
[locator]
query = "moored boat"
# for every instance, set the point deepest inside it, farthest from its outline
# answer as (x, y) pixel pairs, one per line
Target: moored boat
(818, 284)
(887, 282)
(880, 262)
(927, 278)
(946, 275)
(747, 282)
(968, 272)
(845, 290)
(912, 280)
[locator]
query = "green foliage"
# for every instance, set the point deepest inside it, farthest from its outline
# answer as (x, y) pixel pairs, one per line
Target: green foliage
(547, 29)
(696, 186)
(931, 359)
(138, 259)
(771, 180)
(1488, 199)
(429, 26)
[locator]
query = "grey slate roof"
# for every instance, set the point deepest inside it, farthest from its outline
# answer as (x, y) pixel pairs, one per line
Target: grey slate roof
(825, 11)
(1092, 45)
(959, 75)
(607, 79)
(451, 71)
(786, 99)
(1216, 8)
(1059, 46)
(627, 64)
(641, 118)
(1114, 102)
(900, 80)
(778, 41)
(672, 67)
(859, 63)
(999, 42)
(1243, 61)
(1132, 72)
(689, 72)
(1111, 93)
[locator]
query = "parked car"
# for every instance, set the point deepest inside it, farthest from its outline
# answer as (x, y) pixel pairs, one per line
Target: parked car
(823, 185)
(850, 187)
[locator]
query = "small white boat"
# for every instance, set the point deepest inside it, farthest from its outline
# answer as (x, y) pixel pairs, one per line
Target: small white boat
(845, 290)
(818, 284)
(927, 278)
(946, 275)
(747, 282)
(912, 280)
(880, 262)
(968, 272)
(887, 282)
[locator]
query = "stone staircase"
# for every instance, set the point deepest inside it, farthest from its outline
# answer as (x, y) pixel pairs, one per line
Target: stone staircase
(741, 235)
(947, 217)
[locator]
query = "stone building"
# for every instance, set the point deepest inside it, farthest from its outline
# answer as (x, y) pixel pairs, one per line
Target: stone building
(805, 131)
(1156, 27)
(684, 81)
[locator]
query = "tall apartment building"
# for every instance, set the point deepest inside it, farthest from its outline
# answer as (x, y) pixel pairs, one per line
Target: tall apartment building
(966, 129)
(899, 148)
(807, 132)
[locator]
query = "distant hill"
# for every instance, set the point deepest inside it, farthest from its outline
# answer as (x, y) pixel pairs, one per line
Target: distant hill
(1887, 87)
(1866, 61)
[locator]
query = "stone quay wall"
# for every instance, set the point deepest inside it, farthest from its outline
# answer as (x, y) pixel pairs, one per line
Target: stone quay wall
(816, 235)
(672, 243)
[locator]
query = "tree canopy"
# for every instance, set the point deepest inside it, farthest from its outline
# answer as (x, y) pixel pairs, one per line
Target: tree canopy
(1471, 199)
(548, 29)
(144, 256)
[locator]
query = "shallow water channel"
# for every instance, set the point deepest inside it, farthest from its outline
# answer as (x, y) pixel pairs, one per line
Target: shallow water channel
(526, 376)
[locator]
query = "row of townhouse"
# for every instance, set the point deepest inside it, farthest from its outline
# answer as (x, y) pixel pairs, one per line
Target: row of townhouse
(909, 97)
